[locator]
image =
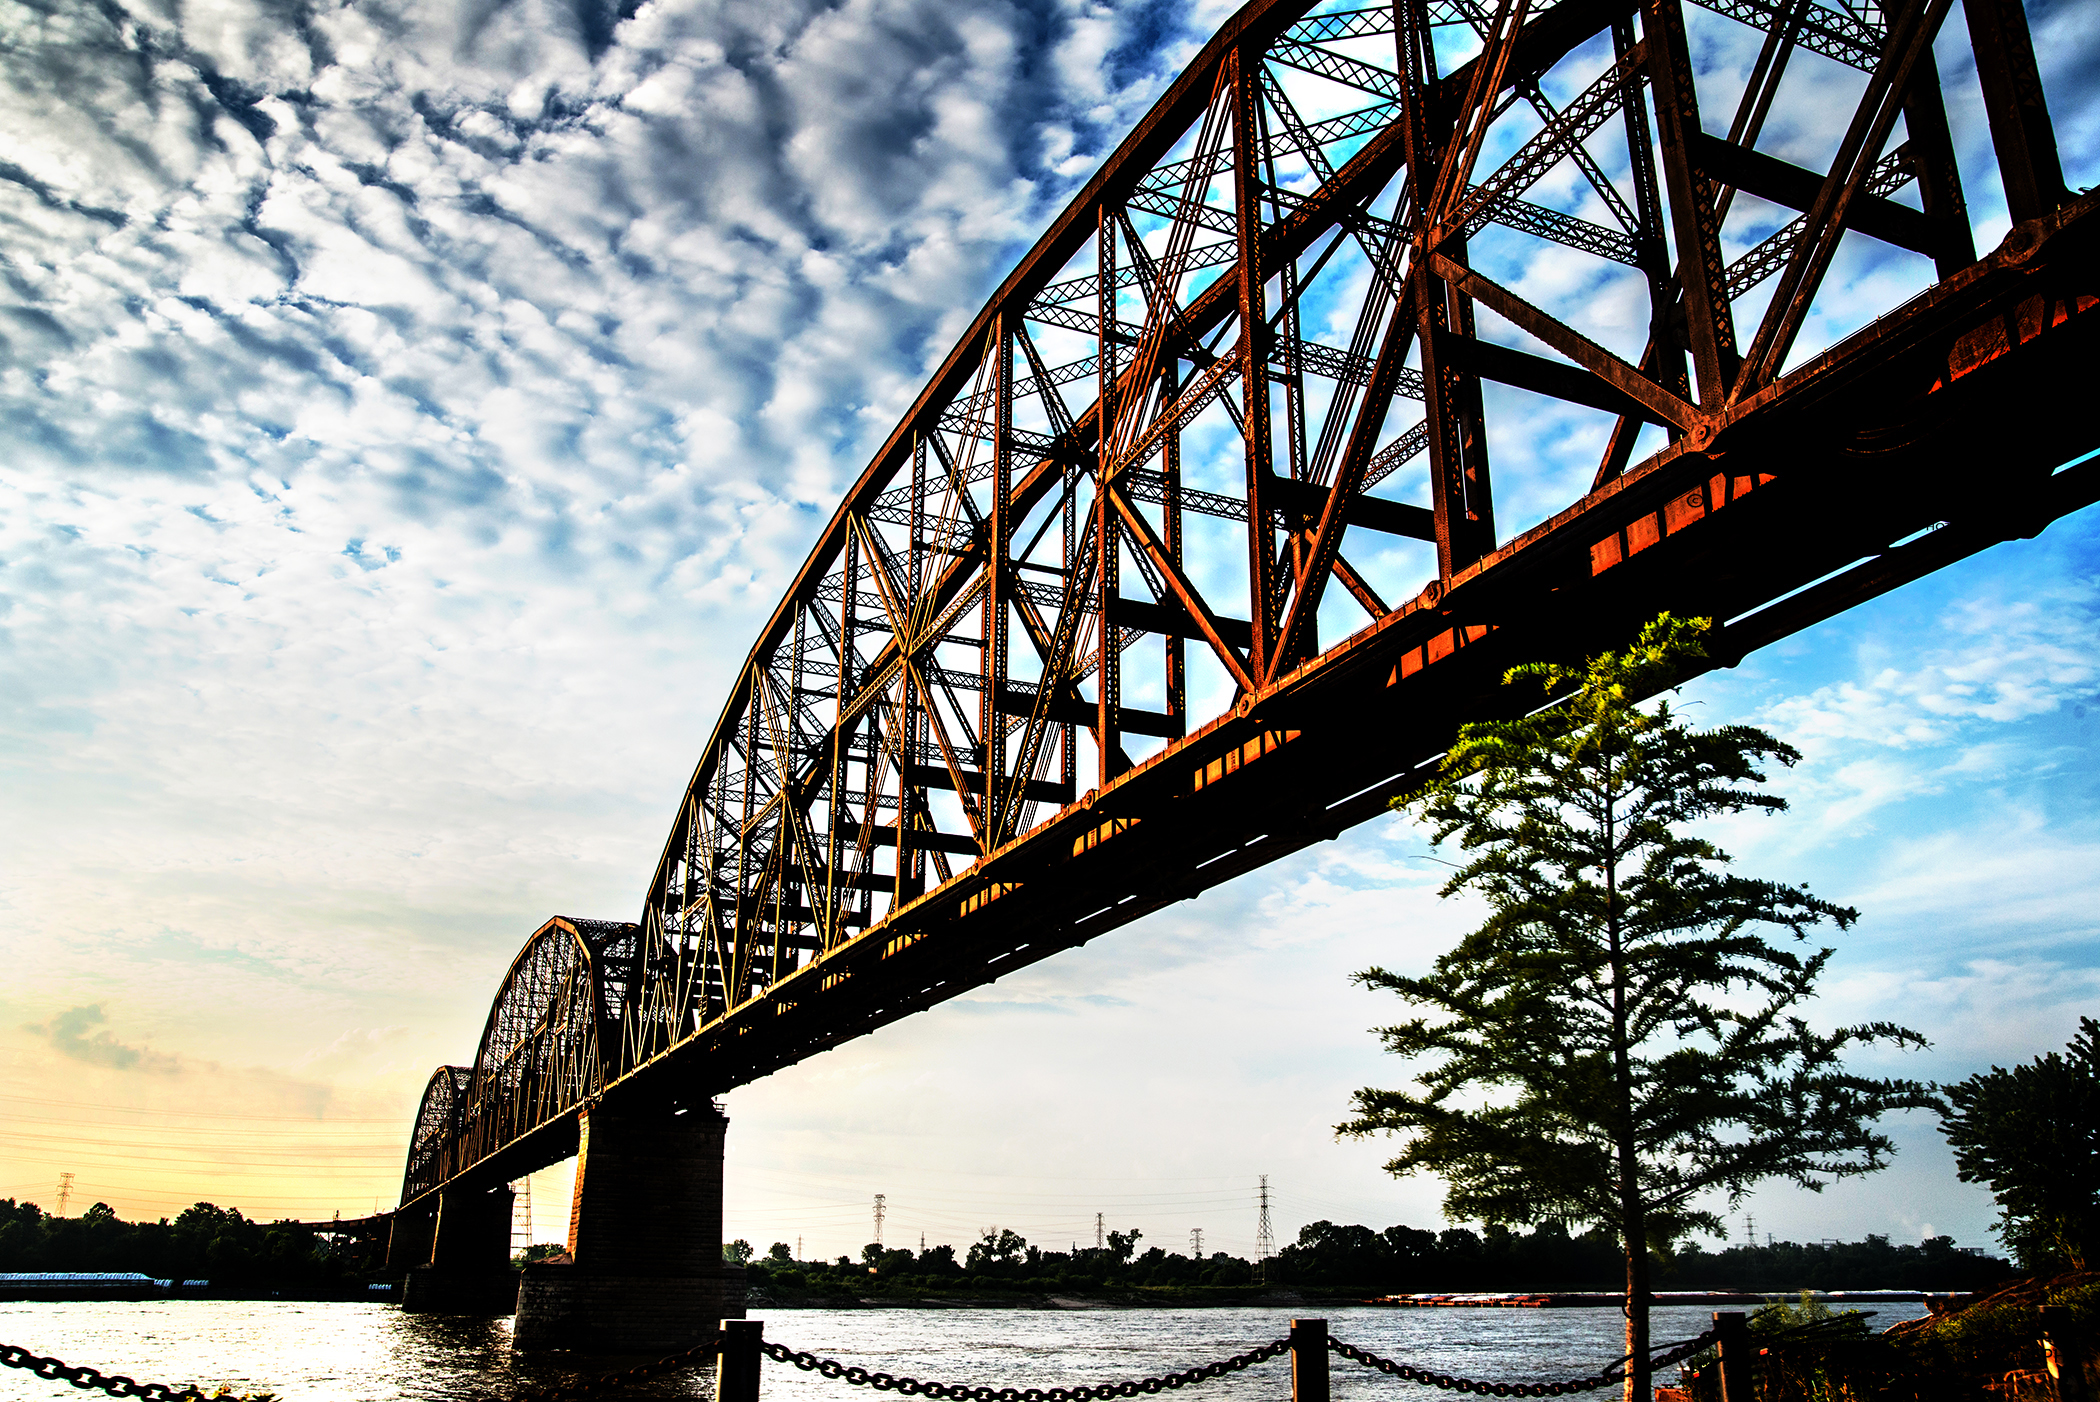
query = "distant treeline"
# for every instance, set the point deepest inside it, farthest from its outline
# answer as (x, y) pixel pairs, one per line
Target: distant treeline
(219, 1244)
(205, 1242)
(1401, 1259)
(1393, 1261)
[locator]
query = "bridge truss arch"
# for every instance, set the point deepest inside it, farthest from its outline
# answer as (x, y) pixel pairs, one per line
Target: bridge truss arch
(1206, 484)
(433, 1143)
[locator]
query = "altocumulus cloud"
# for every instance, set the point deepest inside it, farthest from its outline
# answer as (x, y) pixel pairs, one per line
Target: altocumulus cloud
(523, 266)
(398, 393)
(70, 1034)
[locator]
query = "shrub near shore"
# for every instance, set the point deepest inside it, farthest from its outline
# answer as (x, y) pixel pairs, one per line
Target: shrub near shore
(1988, 1348)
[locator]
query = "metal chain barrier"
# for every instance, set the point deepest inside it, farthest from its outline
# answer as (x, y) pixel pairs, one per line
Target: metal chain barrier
(1611, 1376)
(90, 1379)
(964, 1392)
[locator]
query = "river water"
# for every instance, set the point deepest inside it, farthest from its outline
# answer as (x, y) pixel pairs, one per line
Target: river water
(360, 1352)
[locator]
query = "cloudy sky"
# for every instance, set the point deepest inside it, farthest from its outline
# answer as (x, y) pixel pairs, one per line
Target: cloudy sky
(410, 411)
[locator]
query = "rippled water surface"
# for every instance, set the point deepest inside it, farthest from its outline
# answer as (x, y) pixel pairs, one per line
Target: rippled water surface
(358, 1352)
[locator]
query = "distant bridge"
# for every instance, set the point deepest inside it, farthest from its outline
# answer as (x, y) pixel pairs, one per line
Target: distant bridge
(1187, 557)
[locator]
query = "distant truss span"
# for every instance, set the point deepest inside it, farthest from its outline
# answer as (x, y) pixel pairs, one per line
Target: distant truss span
(1187, 556)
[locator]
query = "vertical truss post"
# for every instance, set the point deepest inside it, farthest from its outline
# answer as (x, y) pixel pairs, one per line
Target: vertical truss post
(1939, 178)
(1069, 553)
(748, 864)
(1293, 415)
(999, 577)
(1254, 352)
(1458, 482)
(908, 724)
(1461, 494)
(1709, 326)
(1106, 742)
(2021, 131)
(829, 919)
(1664, 361)
(1170, 517)
(1287, 289)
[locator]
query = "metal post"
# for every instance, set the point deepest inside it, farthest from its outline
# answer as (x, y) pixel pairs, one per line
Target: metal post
(736, 1371)
(1734, 1357)
(1308, 1360)
(2066, 1359)
(2025, 139)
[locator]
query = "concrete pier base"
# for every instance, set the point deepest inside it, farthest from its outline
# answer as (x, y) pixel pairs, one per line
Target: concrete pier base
(563, 1307)
(408, 1242)
(645, 1273)
(429, 1290)
(468, 1267)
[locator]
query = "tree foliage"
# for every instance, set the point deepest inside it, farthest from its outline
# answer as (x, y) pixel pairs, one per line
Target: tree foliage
(204, 1241)
(2033, 1134)
(1619, 1040)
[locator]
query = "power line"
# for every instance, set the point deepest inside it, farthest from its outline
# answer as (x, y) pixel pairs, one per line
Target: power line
(191, 1114)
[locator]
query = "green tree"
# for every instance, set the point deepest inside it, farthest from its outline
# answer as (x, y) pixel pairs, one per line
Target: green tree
(2033, 1134)
(998, 1248)
(737, 1253)
(1616, 1043)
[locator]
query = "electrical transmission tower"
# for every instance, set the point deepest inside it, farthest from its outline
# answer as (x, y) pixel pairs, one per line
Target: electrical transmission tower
(1264, 1237)
(1100, 1240)
(521, 1216)
(65, 1192)
(1196, 1242)
(879, 1214)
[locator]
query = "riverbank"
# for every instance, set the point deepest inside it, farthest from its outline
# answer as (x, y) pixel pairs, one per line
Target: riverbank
(1299, 1297)
(29, 1287)
(353, 1352)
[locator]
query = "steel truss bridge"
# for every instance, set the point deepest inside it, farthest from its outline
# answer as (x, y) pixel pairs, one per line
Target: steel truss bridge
(1187, 556)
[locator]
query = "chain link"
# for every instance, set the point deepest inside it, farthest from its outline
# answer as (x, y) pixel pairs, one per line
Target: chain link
(965, 1392)
(90, 1379)
(1613, 1374)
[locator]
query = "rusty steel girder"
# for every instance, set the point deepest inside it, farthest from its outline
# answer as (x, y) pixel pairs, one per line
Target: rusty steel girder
(1084, 639)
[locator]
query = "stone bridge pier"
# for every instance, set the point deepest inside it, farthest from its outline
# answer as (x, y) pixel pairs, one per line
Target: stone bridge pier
(645, 1273)
(458, 1261)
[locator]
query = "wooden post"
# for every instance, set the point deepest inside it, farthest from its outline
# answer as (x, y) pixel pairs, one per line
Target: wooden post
(736, 1371)
(2066, 1359)
(1308, 1360)
(1734, 1357)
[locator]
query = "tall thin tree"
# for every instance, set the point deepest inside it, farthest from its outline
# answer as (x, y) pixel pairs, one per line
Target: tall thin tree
(1618, 1042)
